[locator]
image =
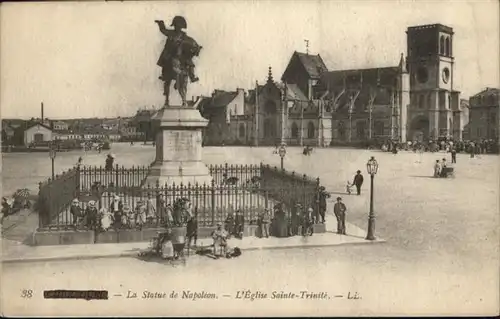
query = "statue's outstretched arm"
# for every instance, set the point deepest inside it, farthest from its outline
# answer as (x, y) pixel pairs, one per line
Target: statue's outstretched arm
(162, 27)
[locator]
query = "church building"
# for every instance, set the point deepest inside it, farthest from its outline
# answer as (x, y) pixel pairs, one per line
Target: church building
(413, 100)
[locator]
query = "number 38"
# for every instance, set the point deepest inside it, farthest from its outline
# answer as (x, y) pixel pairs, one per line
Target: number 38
(27, 293)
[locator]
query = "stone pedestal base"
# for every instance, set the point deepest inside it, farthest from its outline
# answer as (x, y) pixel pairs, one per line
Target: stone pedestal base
(178, 148)
(167, 173)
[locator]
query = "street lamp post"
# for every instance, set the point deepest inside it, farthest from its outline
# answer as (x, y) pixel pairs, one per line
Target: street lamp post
(282, 153)
(52, 155)
(372, 167)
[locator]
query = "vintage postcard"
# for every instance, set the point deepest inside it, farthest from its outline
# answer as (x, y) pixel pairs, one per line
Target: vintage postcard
(250, 158)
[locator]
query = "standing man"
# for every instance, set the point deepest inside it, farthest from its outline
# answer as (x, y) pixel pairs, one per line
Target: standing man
(358, 181)
(339, 210)
(322, 196)
(453, 155)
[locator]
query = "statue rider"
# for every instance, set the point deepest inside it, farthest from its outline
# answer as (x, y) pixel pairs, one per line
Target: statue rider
(179, 51)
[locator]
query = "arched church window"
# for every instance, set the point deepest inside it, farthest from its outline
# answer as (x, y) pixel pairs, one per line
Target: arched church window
(295, 130)
(270, 107)
(310, 130)
(447, 46)
(441, 45)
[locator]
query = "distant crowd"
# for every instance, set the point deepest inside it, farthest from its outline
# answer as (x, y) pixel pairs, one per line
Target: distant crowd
(446, 145)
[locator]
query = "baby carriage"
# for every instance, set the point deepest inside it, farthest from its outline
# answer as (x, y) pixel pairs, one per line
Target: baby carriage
(162, 245)
(348, 188)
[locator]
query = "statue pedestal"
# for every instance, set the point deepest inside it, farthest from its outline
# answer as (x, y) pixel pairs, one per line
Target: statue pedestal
(179, 148)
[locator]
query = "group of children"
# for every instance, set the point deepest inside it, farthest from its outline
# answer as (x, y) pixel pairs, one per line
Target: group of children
(234, 224)
(117, 215)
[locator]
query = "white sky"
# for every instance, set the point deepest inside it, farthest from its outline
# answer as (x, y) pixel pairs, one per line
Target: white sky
(86, 59)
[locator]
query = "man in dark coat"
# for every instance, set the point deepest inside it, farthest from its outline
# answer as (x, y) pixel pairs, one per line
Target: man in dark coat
(322, 196)
(358, 181)
(239, 224)
(339, 210)
(453, 155)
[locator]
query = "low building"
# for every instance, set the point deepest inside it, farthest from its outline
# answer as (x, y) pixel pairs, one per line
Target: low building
(37, 133)
(143, 121)
(223, 110)
(484, 115)
(60, 126)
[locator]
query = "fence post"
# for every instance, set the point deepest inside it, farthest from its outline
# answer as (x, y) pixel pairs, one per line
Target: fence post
(159, 208)
(41, 206)
(78, 181)
(266, 198)
(317, 198)
(116, 177)
(304, 183)
(213, 201)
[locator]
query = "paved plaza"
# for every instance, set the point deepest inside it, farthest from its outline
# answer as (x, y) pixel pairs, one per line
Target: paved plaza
(441, 243)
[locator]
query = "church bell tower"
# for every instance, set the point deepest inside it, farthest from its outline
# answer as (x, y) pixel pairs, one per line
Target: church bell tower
(431, 68)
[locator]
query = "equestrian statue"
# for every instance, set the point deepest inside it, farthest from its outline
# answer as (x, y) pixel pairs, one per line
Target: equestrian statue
(176, 59)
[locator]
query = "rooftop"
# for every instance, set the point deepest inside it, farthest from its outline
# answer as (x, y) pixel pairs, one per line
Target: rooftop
(437, 26)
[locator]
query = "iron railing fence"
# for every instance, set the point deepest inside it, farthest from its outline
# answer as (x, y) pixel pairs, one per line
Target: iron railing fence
(235, 174)
(54, 195)
(147, 207)
(290, 187)
(249, 188)
(117, 177)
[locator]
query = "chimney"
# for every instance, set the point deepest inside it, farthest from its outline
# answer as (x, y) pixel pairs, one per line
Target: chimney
(41, 108)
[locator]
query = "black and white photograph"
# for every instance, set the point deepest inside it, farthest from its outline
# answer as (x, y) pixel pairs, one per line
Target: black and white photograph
(250, 158)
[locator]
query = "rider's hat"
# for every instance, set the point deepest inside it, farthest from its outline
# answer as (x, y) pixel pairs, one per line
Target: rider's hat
(179, 21)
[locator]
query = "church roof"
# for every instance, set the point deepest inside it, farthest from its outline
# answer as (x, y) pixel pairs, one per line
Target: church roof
(38, 123)
(313, 64)
(488, 91)
(222, 98)
(385, 76)
(295, 93)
